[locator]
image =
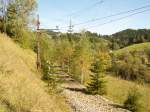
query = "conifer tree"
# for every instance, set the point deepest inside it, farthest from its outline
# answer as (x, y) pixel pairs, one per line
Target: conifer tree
(97, 84)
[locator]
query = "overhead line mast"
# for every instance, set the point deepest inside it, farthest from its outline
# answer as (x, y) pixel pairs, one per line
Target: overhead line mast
(70, 30)
(38, 32)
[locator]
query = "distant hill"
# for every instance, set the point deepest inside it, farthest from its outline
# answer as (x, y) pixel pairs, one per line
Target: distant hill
(115, 41)
(128, 37)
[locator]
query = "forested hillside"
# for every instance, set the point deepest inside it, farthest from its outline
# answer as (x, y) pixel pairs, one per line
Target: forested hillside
(117, 40)
(128, 37)
(133, 62)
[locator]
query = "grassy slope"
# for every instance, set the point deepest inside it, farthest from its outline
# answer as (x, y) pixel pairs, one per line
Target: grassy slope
(137, 47)
(118, 90)
(21, 89)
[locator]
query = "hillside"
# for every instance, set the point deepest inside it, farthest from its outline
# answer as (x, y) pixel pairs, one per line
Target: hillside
(122, 87)
(21, 89)
(137, 47)
(133, 62)
(128, 37)
(127, 59)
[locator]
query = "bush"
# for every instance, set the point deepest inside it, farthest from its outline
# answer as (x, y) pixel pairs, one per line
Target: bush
(129, 66)
(132, 101)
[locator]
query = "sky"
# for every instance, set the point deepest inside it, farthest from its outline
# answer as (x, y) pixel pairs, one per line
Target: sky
(59, 13)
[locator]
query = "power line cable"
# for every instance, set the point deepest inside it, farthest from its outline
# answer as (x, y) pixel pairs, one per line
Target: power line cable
(112, 15)
(118, 19)
(74, 14)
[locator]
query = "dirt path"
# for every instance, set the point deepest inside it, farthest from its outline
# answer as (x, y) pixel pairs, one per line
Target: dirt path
(82, 102)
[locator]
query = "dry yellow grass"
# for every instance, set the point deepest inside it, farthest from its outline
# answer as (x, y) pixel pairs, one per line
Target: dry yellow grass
(118, 90)
(21, 89)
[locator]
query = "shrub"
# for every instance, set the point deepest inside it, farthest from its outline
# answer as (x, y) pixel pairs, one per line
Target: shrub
(130, 66)
(132, 101)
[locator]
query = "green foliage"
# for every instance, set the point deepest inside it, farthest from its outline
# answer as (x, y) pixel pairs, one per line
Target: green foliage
(26, 39)
(63, 53)
(19, 16)
(132, 101)
(82, 59)
(45, 69)
(1, 24)
(97, 84)
(46, 47)
(132, 63)
(73, 52)
(50, 77)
